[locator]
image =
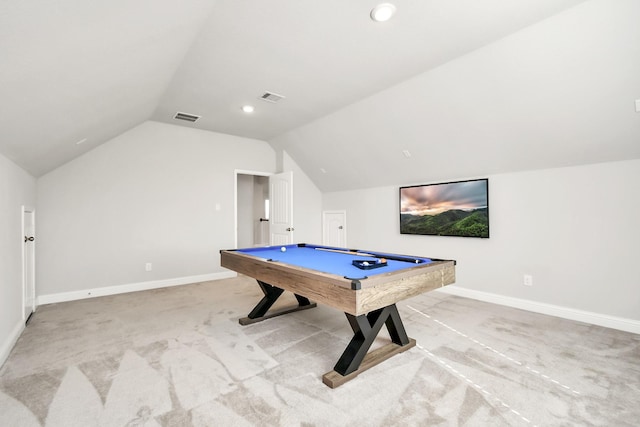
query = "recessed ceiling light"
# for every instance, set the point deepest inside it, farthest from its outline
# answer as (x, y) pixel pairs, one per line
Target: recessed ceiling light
(248, 108)
(383, 12)
(323, 170)
(406, 153)
(82, 141)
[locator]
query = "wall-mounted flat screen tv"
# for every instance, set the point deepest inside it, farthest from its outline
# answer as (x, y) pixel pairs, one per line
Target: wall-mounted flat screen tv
(458, 208)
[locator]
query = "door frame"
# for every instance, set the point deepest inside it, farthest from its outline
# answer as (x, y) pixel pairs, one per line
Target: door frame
(235, 198)
(31, 211)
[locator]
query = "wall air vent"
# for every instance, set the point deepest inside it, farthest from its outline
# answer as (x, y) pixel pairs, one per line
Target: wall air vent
(271, 97)
(185, 116)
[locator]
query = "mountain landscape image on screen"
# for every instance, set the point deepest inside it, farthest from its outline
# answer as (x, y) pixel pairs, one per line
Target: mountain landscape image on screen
(450, 223)
(449, 209)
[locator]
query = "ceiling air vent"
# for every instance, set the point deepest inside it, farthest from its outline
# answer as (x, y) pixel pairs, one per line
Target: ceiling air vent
(185, 116)
(271, 97)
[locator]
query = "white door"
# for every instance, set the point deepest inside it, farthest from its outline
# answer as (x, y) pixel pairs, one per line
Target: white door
(334, 228)
(281, 208)
(28, 261)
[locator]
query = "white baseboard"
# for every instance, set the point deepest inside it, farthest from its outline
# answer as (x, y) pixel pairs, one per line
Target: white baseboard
(620, 323)
(131, 287)
(7, 346)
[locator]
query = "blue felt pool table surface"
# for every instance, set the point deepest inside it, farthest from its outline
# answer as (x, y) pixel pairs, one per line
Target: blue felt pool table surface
(334, 260)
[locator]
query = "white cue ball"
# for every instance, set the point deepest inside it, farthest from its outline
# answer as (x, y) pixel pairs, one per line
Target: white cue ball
(283, 249)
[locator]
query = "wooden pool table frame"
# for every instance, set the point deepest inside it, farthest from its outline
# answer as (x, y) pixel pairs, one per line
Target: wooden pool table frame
(367, 303)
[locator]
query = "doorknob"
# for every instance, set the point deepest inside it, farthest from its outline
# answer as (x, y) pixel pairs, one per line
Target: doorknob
(290, 229)
(340, 228)
(30, 239)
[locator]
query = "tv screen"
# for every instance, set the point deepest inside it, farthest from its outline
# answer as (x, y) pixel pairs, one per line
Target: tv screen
(458, 208)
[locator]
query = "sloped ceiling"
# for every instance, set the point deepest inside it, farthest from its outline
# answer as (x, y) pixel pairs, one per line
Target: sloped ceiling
(76, 69)
(563, 92)
(437, 78)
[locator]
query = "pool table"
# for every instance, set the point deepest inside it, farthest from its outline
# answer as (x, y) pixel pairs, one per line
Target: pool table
(365, 285)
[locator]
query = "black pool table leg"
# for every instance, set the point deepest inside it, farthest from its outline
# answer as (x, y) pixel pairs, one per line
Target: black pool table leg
(302, 301)
(395, 327)
(365, 330)
(271, 295)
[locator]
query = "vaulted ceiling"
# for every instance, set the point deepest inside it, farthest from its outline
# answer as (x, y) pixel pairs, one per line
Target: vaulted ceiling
(441, 79)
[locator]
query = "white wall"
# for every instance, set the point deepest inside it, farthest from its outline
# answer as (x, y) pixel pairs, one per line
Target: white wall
(245, 210)
(17, 188)
(574, 229)
(307, 204)
(148, 195)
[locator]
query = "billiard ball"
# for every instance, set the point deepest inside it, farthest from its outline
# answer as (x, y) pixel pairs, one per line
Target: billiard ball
(283, 249)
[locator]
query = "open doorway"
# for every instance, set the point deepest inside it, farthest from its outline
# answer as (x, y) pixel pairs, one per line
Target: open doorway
(252, 209)
(28, 262)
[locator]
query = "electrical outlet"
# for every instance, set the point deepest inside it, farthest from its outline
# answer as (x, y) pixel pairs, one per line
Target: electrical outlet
(148, 266)
(527, 280)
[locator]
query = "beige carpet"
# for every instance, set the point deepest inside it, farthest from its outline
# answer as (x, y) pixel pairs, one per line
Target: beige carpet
(178, 357)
